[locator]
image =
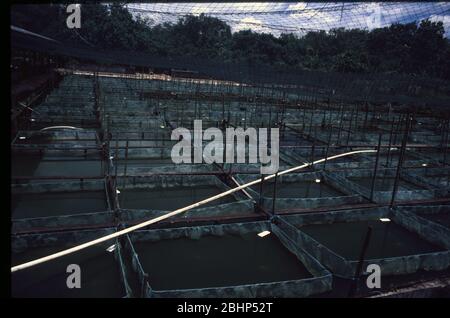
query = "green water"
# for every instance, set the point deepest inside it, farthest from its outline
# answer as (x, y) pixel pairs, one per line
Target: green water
(395, 156)
(215, 261)
(100, 274)
(30, 165)
(24, 165)
(299, 189)
(350, 158)
(169, 198)
(53, 204)
(142, 163)
(384, 183)
(36, 138)
(387, 239)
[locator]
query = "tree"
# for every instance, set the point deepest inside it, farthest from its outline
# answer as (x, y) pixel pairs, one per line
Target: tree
(400, 48)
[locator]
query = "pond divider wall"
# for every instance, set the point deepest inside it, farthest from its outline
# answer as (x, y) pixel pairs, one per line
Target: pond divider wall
(439, 233)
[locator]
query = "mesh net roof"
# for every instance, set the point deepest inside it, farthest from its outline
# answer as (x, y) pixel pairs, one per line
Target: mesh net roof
(301, 17)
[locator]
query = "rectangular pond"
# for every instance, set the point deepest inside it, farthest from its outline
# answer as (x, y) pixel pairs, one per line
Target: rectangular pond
(388, 239)
(229, 260)
(142, 163)
(169, 198)
(214, 261)
(399, 243)
(31, 205)
(384, 183)
(33, 165)
(100, 272)
(299, 189)
(442, 218)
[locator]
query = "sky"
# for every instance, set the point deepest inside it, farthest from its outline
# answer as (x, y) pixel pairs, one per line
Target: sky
(300, 17)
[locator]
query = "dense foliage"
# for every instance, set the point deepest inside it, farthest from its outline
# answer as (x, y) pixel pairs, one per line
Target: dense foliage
(412, 48)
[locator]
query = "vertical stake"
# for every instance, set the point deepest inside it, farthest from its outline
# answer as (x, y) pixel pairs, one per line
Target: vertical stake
(400, 159)
(375, 168)
(274, 193)
(354, 286)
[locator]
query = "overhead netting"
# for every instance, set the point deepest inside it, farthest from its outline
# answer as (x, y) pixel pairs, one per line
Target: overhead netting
(299, 18)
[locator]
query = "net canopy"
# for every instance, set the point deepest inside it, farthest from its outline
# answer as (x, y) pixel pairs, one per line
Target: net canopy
(301, 17)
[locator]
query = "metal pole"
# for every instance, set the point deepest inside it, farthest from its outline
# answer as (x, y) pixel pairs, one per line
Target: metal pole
(390, 143)
(274, 193)
(444, 159)
(261, 191)
(116, 158)
(328, 147)
(350, 126)
(362, 255)
(400, 159)
(313, 148)
(126, 164)
(375, 168)
(341, 122)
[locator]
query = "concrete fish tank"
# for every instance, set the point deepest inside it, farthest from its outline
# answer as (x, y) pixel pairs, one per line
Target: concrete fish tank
(297, 192)
(184, 262)
(100, 273)
(144, 197)
(398, 244)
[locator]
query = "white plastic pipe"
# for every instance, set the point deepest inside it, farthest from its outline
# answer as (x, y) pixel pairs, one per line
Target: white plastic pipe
(60, 127)
(168, 215)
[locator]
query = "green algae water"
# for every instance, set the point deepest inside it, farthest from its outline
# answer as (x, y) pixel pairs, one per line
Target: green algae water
(300, 189)
(100, 274)
(24, 165)
(384, 183)
(31, 165)
(169, 198)
(214, 261)
(54, 204)
(395, 157)
(387, 240)
(142, 163)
